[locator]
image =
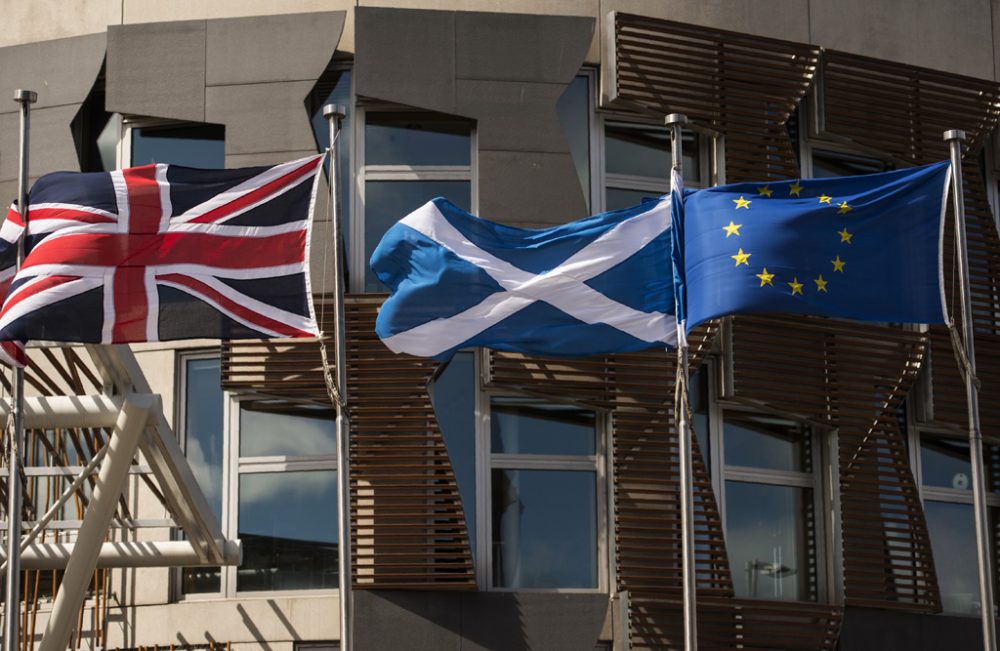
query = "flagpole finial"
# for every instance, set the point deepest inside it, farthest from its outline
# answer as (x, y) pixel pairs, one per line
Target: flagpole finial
(675, 118)
(25, 96)
(954, 134)
(334, 111)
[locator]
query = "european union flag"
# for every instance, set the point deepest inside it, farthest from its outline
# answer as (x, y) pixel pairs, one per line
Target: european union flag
(862, 247)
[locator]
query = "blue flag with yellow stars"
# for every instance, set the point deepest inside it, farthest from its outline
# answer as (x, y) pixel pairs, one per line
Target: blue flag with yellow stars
(861, 247)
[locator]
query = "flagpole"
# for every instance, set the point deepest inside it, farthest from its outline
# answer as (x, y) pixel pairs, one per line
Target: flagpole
(12, 592)
(675, 121)
(954, 139)
(335, 113)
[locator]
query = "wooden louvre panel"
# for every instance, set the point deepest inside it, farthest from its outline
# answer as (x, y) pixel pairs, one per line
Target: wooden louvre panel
(903, 111)
(408, 526)
(852, 377)
(743, 86)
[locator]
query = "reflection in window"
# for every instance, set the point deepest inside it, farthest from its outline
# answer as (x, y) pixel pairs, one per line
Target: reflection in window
(769, 506)
(769, 541)
(407, 138)
(637, 162)
(410, 157)
(198, 145)
(300, 435)
(828, 163)
(544, 494)
(544, 529)
(289, 531)
(386, 202)
(763, 441)
(527, 426)
(946, 478)
(203, 436)
(454, 396)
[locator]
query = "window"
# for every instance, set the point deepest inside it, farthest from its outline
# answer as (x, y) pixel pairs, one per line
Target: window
(187, 144)
(544, 464)
(768, 474)
(946, 488)
(637, 161)
(576, 115)
(531, 472)
(407, 158)
(276, 493)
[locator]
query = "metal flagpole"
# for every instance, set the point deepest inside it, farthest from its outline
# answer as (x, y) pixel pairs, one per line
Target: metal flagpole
(12, 593)
(954, 139)
(335, 113)
(675, 121)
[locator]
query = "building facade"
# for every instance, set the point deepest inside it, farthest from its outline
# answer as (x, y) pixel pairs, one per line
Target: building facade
(502, 501)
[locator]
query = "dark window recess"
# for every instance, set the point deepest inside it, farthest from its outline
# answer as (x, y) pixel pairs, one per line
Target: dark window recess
(190, 145)
(828, 163)
(95, 132)
(418, 139)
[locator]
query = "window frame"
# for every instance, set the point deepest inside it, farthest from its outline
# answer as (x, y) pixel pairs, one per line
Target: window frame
(823, 481)
(599, 463)
(233, 467)
(711, 153)
(357, 260)
(126, 123)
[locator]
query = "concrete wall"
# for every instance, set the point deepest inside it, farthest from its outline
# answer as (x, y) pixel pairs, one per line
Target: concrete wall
(957, 36)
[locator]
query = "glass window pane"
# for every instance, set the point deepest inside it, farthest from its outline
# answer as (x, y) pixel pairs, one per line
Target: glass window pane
(544, 529)
(574, 114)
(952, 528)
(769, 539)
(454, 396)
(386, 202)
(202, 145)
(762, 441)
(401, 138)
(266, 434)
(833, 163)
(635, 149)
(288, 525)
(530, 426)
(203, 447)
(945, 462)
(616, 198)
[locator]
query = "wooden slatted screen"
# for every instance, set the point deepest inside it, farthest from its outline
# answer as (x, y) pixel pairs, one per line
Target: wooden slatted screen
(903, 111)
(745, 87)
(854, 378)
(408, 526)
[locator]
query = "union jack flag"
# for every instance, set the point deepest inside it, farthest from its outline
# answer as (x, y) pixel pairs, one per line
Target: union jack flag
(161, 252)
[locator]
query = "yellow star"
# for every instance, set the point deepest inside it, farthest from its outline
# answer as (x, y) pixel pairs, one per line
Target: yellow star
(741, 258)
(794, 190)
(824, 199)
(765, 191)
(844, 208)
(845, 236)
(820, 283)
(742, 203)
(732, 229)
(765, 278)
(796, 286)
(838, 264)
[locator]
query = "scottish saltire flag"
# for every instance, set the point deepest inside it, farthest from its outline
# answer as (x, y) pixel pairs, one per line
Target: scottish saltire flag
(598, 285)
(863, 247)
(162, 252)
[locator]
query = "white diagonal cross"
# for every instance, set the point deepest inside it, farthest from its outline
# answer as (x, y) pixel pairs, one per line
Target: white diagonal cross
(562, 287)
